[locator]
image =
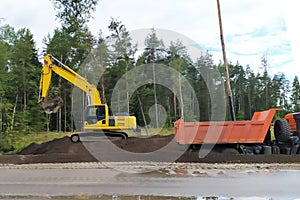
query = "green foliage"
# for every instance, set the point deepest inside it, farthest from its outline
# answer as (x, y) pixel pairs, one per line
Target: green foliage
(13, 141)
(71, 44)
(5, 144)
(295, 96)
(74, 14)
(20, 70)
(20, 116)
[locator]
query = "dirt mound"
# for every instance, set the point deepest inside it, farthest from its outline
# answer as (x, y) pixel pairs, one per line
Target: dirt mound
(61, 145)
(63, 150)
(64, 145)
(55, 151)
(144, 145)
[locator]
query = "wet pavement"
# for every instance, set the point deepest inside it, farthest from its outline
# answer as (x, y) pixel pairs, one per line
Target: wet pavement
(178, 180)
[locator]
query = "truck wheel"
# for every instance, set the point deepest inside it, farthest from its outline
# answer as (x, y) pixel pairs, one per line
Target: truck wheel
(231, 151)
(267, 150)
(282, 130)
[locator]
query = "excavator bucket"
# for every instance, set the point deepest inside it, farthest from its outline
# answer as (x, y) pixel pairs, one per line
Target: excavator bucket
(51, 105)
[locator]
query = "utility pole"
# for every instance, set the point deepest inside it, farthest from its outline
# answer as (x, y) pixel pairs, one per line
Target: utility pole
(228, 88)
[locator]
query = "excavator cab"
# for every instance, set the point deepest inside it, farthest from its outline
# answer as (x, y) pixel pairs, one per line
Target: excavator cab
(93, 114)
(98, 117)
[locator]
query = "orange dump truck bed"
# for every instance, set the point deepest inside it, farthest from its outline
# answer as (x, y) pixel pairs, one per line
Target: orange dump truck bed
(221, 132)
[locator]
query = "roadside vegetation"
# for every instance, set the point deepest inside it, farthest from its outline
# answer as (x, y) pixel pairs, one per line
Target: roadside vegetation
(14, 142)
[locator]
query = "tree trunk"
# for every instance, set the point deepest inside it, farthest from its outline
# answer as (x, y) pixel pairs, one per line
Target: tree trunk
(82, 111)
(155, 96)
(72, 120)
(249, 103)
(127, 94)
(103, 100)
(25, 99)
(181, 98)
(48, 122)
(1, 114)
(59, 111)
(175, 105)
(143, 115)
(24, 90)
(65, 111)
(14, 112)
(267, 95)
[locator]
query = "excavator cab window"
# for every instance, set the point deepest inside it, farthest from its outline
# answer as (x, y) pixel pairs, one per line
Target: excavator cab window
(100, 112)
(95, 114)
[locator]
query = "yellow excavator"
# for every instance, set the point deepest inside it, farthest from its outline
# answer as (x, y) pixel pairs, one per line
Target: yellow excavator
(97, 118)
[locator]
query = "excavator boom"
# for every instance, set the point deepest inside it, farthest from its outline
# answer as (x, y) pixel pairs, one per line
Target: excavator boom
(70, 75)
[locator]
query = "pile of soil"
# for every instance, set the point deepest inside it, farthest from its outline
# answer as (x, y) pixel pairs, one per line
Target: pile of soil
(65, 145)
(63, 150)
(144, 145)
(61, 145)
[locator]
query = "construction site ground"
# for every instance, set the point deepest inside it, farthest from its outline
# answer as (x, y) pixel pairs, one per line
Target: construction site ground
(60, 169)
(64, 151)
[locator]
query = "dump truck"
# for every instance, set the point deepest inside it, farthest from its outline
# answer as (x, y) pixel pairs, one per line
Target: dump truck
(243, 137)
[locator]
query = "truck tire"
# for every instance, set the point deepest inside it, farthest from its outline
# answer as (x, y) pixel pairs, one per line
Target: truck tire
(267, 150)
(275, 149)
(282, 130)
(232, 151)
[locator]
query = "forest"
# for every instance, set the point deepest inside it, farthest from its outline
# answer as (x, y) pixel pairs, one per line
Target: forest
(72, 42)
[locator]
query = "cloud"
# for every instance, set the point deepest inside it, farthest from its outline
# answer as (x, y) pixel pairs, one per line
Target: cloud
(252, 28)
(291, 15)
(37, 16)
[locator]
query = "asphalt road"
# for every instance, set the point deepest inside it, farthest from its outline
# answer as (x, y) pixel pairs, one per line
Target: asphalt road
(176, 180)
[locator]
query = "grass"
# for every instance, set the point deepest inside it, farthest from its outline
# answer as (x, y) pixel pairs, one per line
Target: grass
(17, 141)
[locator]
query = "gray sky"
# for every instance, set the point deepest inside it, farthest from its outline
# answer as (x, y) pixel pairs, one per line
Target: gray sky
(252, 28)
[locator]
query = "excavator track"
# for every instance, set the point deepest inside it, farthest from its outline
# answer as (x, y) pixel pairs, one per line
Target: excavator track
(116, 134)
(94, 136)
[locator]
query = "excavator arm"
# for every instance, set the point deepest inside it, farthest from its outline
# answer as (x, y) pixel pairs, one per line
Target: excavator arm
(51, 106)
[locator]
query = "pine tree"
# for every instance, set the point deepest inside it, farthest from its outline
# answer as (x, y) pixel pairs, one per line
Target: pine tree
(295, 95)
(70, 44)
(121, 59)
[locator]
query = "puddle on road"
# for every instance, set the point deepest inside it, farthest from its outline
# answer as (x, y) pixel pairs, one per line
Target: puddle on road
(125, 197)
(224, 184)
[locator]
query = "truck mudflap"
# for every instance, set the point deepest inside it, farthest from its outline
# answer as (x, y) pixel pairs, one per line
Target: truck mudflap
(224, 132)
